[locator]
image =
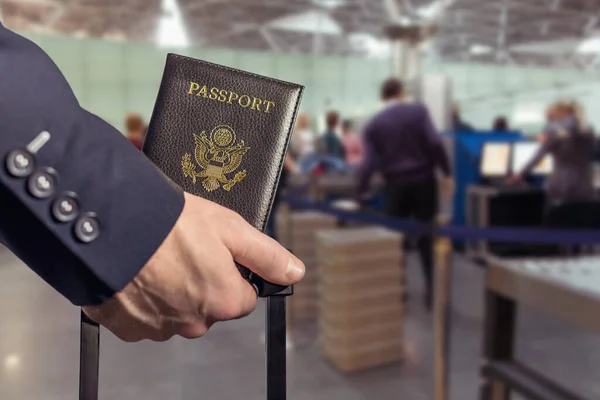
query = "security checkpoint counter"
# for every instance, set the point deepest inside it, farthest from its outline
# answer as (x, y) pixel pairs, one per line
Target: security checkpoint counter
(321, 187)
(488, 206)
(566, 288)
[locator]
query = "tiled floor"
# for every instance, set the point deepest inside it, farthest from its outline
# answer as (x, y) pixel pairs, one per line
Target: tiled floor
(39, 352)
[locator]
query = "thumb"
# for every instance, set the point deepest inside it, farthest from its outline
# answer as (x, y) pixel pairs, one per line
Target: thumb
(261, 254)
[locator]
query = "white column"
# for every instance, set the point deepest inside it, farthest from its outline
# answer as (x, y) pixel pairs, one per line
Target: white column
(399, 58)
(413, 62)
(406, 57)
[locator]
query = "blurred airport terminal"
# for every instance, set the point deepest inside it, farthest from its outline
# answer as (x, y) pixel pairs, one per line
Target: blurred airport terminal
(451, 254)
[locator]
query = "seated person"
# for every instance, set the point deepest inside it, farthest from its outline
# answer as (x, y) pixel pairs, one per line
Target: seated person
(352, 144)
(330, 143)
(136, 130)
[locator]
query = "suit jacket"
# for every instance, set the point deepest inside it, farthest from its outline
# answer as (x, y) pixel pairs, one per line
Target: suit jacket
(93, 209)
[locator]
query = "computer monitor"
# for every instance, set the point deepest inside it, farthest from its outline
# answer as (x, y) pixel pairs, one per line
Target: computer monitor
(495, 160)
(523, 153)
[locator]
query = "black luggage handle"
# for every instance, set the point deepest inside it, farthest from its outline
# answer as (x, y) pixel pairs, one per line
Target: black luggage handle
(275, 344)
(89, 357)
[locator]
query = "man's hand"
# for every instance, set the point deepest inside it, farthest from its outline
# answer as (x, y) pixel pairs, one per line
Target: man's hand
(191, 281)
(447, 185)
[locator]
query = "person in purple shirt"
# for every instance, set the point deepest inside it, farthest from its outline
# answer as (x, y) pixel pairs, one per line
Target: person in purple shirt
(403, 145)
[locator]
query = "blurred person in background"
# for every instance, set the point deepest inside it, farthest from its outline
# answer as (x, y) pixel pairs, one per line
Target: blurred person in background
(330, 143)
(553, 112)
(402, 143)
(136, 129)
(289, 167)
(500, 124)
(570, 142)
(304, 140)
(552, 115)
(352, 143)
(458, 125)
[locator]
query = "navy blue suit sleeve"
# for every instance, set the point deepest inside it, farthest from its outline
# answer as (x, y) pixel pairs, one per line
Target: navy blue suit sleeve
(135, 205)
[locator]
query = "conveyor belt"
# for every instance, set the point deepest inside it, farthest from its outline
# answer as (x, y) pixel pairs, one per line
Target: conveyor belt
(568, 289)
(331, 184)
(527, 382)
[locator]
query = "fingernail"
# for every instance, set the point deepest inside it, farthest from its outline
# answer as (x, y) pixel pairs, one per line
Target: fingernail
(295, 269)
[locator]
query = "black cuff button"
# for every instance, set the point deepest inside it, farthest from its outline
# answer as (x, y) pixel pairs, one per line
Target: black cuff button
(66, 207)
(87, 228)
(42, 183)
(20, 163)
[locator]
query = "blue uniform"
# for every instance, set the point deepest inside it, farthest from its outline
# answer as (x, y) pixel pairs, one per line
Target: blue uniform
(79, 204)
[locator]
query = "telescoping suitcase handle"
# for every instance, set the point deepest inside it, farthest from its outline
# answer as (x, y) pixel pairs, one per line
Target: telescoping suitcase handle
(275, 343)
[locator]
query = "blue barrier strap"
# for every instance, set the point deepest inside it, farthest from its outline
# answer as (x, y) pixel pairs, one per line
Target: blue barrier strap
(403, 225)
(497, 234)
(522, 235)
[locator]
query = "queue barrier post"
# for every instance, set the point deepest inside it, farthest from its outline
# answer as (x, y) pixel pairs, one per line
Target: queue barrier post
(442, 313)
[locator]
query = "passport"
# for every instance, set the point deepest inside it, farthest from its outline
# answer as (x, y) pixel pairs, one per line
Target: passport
(222, 134)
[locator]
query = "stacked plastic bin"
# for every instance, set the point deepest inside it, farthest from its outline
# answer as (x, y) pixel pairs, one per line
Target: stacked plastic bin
(297, 231)
(360, 297)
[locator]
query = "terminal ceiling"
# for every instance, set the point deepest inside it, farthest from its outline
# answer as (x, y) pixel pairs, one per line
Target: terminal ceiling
(540, 32)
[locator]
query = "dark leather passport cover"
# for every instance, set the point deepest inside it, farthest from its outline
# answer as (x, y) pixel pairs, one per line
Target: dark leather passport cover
(222, 134)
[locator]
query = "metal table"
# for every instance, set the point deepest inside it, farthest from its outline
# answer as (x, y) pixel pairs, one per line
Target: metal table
(567, 289)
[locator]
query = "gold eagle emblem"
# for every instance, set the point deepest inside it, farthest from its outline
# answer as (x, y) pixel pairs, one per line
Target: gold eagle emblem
(218, 156)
